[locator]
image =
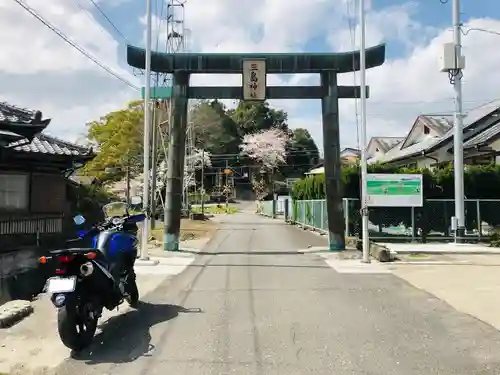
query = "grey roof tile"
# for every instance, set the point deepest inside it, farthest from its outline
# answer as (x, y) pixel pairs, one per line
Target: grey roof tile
(11, 114)
(440, 125)
(483, 136)
(469, 126)
(46, 144)
(397, 153)
(21, 124)
(352, 150)
(388, 143)
(475, 115)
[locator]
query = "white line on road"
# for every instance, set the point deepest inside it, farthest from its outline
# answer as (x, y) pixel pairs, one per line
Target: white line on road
(355, 266)
(166, 266)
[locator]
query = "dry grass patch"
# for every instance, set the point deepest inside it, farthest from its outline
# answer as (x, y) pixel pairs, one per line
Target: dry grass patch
(190, 229)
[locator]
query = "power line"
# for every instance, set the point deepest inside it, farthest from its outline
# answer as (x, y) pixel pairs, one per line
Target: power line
(74, 45)
(465, 32)
(99, 9)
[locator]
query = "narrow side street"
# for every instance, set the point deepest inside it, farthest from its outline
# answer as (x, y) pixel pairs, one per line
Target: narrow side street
(251, 305)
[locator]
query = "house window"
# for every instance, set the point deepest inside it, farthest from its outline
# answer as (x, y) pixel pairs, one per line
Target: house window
(426, 130)
(14, 190)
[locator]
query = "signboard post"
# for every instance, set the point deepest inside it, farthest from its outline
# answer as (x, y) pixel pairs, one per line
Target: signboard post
(394, 190)
(254, 80)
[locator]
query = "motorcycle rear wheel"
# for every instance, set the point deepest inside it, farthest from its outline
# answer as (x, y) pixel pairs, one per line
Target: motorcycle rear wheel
(76, 332)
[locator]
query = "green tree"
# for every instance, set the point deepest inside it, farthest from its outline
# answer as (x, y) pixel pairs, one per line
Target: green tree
(118, 137)
(214, 130)
(252, 117)
(302, 153)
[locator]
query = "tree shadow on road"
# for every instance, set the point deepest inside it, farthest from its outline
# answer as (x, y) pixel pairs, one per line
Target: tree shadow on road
(126, 337)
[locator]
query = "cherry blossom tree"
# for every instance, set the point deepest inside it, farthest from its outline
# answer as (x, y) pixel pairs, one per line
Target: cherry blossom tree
(267, 147)
(197, 159)
(194, 162)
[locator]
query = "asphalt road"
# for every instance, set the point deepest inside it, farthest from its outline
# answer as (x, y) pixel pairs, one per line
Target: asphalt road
(252, 305)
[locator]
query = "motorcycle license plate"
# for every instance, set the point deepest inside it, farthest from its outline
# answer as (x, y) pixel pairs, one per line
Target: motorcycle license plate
(61, 284)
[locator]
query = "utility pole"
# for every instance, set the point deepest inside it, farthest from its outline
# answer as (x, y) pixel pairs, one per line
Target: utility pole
(147, 140)
(175, 160)
(273, 192)
(226, 185)
(458, 152)
(127, 178)
(364, 161)
(202, 182)
(154, 162)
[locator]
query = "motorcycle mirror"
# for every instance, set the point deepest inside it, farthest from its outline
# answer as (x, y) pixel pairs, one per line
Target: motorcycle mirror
(135, 200)
(79, 219)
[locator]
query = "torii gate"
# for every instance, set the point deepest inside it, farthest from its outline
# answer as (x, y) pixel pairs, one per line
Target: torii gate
(254, 67)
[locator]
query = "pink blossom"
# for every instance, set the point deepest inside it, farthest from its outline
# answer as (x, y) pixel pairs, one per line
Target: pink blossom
(267, 147)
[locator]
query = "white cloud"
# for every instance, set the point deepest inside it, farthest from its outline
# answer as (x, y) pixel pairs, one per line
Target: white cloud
(400, 89)
(405, 87)
(395, 22)
(39, 70)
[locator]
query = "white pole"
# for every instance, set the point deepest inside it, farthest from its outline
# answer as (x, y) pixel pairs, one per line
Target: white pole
(458, 153)
(147, 127)
(364, 165)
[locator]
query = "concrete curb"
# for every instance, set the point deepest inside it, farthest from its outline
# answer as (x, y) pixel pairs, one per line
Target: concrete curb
(441, 249)
(13, 312)
(190, 250)
(314, 250)
(378, 252)
(146, 262)
(447, 252)
(381, 253)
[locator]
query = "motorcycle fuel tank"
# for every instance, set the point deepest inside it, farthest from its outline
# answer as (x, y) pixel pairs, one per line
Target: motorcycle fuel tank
(114, 243)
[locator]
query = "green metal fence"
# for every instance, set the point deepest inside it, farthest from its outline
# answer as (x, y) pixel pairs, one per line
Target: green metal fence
(433, 220)
(266, 208)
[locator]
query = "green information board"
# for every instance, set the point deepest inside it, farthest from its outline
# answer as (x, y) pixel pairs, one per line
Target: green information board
(394, 190)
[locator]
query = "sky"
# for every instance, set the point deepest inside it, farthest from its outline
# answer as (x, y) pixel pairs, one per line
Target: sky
(39, 70)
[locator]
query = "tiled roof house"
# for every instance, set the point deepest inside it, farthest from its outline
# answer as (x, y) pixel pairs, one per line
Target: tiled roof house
(33, 186)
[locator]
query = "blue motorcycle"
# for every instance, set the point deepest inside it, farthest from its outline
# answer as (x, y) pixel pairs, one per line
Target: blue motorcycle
(89, 279)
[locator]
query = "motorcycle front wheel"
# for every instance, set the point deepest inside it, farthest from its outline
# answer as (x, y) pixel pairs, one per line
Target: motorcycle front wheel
(76, 326)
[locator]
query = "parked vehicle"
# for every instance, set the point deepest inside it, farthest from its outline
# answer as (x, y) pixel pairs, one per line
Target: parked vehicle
(90, 279)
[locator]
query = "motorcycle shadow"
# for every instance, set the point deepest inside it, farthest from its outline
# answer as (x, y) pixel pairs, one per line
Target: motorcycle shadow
(126, 337)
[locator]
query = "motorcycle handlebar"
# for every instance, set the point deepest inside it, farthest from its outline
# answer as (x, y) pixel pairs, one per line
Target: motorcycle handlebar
(106, 225)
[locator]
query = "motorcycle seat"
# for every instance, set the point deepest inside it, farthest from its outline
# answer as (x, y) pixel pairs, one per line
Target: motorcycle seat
(75, 250)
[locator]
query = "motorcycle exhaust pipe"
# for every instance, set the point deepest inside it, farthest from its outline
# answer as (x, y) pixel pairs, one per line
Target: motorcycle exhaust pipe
(86, 269)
